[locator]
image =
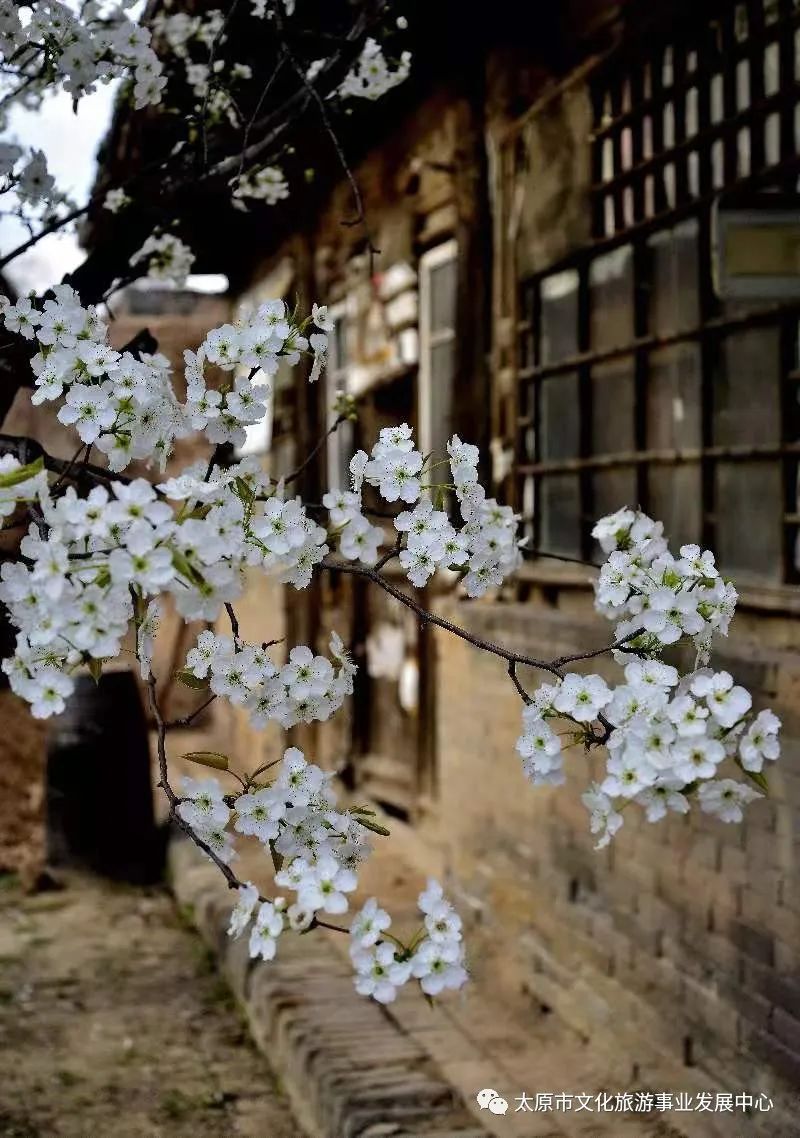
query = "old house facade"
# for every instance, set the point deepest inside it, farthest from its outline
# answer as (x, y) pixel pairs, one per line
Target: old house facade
(536, 271)
(545, 286)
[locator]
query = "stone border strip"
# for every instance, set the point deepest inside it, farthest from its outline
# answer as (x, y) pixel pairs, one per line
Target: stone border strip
(349, 1069)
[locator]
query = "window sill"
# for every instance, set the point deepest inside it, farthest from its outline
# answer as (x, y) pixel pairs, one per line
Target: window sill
(778, 599)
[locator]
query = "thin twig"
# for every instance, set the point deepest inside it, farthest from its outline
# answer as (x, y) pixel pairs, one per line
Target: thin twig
(313, 454)
(560, 661)
(428, 617)
(187, 720)
(212, 55)
(234, 623)
(512, 671)
(361, 216)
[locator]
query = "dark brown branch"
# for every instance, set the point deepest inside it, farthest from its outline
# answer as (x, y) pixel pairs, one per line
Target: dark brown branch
(560, 661)
(361, 217)
(512, 671)
(427, 617)
(314, 452)
(234, 623)
(187, 720)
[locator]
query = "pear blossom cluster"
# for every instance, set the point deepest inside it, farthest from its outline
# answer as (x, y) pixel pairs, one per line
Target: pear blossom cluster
(27, 174)
(194, 41)
(80, 49)
(435, 957)
(125, 405)
(100, 562)
(381, 963)
(485, 550)
(267, 184)
(649, 591)
(250, 349)
(73, 593)
(116, 200)
(294, 816)
(304, 689)
(165, 256)
(371, 76)
(668, 737)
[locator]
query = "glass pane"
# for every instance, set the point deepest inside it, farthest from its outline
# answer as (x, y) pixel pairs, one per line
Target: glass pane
(647, 137)
(673, 423)
(612, 407)
(443, 296)
(772, 139)
(771, 69)
(749, 495)
(559, 316)
(442, 359)
(743, 153)
(559, 524)
(674, 399)
(626, 148)
(614, 489)
(341, 448)
(612, 432)
(674, 288)
(718, 164)
(717, 98)
(608, 160)
(558, 417)
(611, 285)
(337, 346)
(742, 85)
(749, 518)
(746, 390)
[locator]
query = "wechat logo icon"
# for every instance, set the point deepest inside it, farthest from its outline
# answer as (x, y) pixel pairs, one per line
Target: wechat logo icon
(491, 1100)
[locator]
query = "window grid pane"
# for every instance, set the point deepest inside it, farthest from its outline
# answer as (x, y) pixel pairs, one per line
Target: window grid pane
(660, 366)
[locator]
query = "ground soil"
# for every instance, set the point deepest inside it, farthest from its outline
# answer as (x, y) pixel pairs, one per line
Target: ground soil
(114, 1023)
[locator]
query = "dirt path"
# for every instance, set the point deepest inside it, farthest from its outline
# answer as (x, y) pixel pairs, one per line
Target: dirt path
(114, 1024)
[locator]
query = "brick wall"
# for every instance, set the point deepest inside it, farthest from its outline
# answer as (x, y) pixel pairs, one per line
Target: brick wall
(680, 939)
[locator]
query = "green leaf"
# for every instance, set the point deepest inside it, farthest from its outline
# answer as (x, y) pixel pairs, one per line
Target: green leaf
(208, 759)
(374, 826)
(22, 474)
(244, 490)
(186, 569)
(190, 680)
(95, 669)
(760, 779)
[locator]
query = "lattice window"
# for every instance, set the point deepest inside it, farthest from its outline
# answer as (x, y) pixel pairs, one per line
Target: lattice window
(636, 384)
(340, 445)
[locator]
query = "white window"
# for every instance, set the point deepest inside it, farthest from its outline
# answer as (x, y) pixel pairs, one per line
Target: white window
(259, 435)
(438, 282)
(340, 443)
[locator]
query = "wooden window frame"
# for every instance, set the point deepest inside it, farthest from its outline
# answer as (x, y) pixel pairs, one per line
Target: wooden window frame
(336, 379)
(441, 254)
(712, 326)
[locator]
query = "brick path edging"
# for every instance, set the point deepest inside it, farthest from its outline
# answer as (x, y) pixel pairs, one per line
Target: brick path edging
(347, 1067)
